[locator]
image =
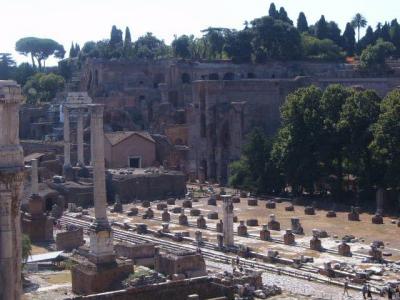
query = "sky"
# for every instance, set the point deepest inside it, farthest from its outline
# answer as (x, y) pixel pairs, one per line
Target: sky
(79, 21)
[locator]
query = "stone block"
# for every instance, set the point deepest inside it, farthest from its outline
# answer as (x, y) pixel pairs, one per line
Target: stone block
(315, 244)
(201, 222)
(270, 205)
(171, 201)
(331, 214)
(309, 210)
(265, 234)
(220, 226)
(133, 212)
(242, 229)
(243, 194)
(149, 214)
(252, 222)
(187, 204)
(194, 212)
(212, 215)
(69, 240)
(141, 228)
(377, 219)
(289, 208)
(176, 210)
(161, 206)
(344, 249)
(212, 201)
(252, 202)
(288, 238)
(235, 219)
(165, 216)
(183, 220)
(235, 199)
(296, 226)
(146, 204)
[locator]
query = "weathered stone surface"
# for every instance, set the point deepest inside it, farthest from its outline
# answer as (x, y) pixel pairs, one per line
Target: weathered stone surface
(344, 249)
(296, 226)
(273, 224)
(354, 214)
(133, 212)
(176, 210)
(220, 226)
(141, 228)
(149, 214)
(212, 200)
(146, 204)
(70, 239)
(315, 244)
(227, 216)
(171, 201)
(265, 234)
(235, 219)
(183, 219)
(331, 214)
(235, 200)
(165, 216)
(201, 222)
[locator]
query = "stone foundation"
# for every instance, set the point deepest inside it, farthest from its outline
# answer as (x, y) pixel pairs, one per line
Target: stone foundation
(69, 240)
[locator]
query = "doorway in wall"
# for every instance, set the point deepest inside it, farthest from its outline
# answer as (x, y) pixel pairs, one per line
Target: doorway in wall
(135, 162)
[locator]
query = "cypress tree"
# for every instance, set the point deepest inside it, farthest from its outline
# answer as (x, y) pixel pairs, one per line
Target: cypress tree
(302, 24)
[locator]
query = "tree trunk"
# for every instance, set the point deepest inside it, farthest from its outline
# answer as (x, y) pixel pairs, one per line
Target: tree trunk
(33, 61)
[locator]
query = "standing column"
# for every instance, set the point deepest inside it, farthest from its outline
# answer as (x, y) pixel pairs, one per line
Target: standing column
(227, 211)
(101, 240)
(34, 177)
(11, 183)
(67, 138)
(79, 138)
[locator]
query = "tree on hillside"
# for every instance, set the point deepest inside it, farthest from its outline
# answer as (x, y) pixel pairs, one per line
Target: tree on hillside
(39, 49)
(273, 12)
(349, 40)
(215, 38)
(7, 65)
(283, 16)
(386, 139)
(321, 28)
(116, 37)
(127, 42)
(23, 72)
(43, 87)
(150, 47)
(395, 36)
(373, 58)
(238, 45)
(302, 24)
(359, 21)
(181, 46)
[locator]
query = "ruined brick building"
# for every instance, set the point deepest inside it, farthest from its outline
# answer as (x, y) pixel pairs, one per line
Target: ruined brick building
(199, 113)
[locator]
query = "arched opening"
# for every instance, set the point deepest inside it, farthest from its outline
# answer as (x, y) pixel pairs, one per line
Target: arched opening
(185, 78)
(213, 76)
(251, 75)
(229, 76)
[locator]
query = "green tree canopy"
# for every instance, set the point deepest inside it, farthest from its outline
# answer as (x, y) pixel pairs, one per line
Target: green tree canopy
(181, 46)
(359, 21)
(39, 49)
(349, 40)
(7, 66)
(43, 87)
(374, 56)
(302, 24)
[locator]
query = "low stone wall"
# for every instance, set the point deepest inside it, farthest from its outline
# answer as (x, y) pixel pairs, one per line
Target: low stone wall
(69, 240)
(140, 254)
(205, 287)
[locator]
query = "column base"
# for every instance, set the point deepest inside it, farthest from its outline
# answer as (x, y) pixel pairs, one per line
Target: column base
(101, 243)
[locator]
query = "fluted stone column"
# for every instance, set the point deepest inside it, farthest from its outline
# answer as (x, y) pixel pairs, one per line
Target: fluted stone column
(101, 240)
(227, 215)
(79, 138)
(67, 138)
(34, 177)
(11, 183)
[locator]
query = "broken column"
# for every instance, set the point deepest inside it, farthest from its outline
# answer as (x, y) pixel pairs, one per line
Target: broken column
(265, 234)
(344, 249)
(354, 214)
(288, 237)
(165, 216)
(101, 257)
(273, 224)
(242, 229)
(11, 183)
(296, 226)
(183, 218)
(79, 138)
(198, 237)
(227, 220)
(201, 222)
(220, 226)
(34, 177)
(67, 169)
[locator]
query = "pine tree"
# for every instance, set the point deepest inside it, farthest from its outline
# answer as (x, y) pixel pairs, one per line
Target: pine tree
(72, 51)
(273, 12)
(321, 28)
(302, 24)
(349, 40)
(116, 36)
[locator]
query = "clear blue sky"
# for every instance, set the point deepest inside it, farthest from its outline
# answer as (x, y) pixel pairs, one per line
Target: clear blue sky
(82, 20)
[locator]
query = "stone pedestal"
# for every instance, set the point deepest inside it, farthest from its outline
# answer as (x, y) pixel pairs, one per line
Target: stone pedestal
(133, 212)
(187, 204)
(194, 212)
(344, 249)
(315, 244)
(235, 200)
(165, 227)
(354, 214)
(296, 226)
(212, 200)
(252, 222)
(242, 229)
(220, 241)
(146, 204)
(377, 219)
(331, 214)
(79, 138)
(273, 224)
(198, 237)
(176, 210)
(161, 206)
(212, 215)
(141, 228)
(118, 208)
(149, 214)
(270, 205)
(265, 234)
(201, 222)
(252, 202)
(171, 201)
(227, 216)
(375, 253)
(183, 219)
(288, 237)
(289, 208)
(165, 216)
(89, 278)
(309, 210)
